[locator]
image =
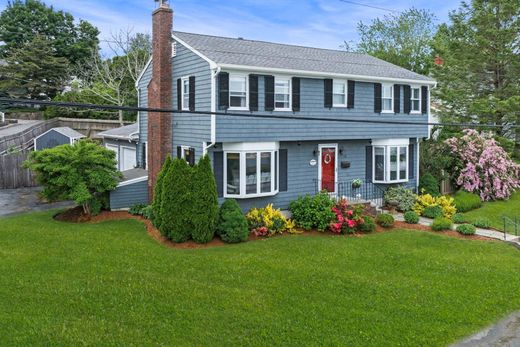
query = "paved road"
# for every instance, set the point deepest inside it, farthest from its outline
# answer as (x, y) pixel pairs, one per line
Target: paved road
(17, 128)
(17, 201)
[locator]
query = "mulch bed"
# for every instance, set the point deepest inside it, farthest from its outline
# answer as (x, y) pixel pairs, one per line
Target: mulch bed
(76, 215)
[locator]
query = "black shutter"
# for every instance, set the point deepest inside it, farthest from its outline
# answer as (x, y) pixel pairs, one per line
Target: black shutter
(143, 156)
(368, 163)
(253, 92)
(327, 83)
(192, 93)
(179, 152)
(283, 170)
(411, 161)
(223, 87)
(269, 93)
(179, 94)
(377, 97)
(296, 94)
(397, 98)
(351, 92)
(407, 99)
(424, 100)
(191, 160)
(218, 171)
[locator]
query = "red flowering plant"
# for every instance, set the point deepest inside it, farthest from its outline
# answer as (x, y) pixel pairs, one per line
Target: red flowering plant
(348, 217)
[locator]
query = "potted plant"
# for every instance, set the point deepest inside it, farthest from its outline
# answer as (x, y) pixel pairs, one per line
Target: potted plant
(357, 183)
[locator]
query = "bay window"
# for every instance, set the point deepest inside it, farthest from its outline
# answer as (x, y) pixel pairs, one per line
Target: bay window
(387, 98)
(251, 169)
(238, 91)
(339, 94)
(415, 100)
(282, 94)
(390, 162)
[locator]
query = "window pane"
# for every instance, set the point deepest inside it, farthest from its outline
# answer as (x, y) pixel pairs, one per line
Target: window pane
(275, 170)
(402, 163)
(379, 153)
(237, 84)
(415, 105)
(393, 163)
(282, 94)
(339, 99)
(415, 93)
(387, 91)
(237, 99)
(339, 88)
(233, 173)
(265, 172)
(251, 173)
(387, 104)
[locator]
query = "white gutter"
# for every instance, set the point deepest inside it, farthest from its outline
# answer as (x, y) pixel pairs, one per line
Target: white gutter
(213, 139)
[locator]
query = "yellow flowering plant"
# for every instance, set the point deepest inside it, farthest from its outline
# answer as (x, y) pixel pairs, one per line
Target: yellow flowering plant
(447, 203)
(268, 221)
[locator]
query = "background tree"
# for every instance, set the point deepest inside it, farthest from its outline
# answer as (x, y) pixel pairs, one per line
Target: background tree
(33, 71)
(83, 172)
(479, 80)
(205, 203)
(402, 39)
(22, 21)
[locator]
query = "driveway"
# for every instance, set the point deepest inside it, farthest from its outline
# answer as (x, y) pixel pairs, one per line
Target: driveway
(18, 127)
(17, 201)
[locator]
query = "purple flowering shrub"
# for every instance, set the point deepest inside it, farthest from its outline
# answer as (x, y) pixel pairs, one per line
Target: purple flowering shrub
(483, 166)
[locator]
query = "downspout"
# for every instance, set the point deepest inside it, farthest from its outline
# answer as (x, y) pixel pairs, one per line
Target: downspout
(214, 72)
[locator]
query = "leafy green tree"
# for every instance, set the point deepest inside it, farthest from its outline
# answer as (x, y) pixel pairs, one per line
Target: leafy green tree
(177, 202)
(205, 203)
(157, 193)
(22, 21)
(33, 70)
(402, 39)
(83, 172)
(479, 80)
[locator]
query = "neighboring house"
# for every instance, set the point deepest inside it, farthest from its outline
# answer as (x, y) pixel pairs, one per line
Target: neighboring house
(56, 137)
(123, 141)
(262, 160)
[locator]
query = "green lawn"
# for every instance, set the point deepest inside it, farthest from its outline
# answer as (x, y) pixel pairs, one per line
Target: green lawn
(496, 209)
(111, 284)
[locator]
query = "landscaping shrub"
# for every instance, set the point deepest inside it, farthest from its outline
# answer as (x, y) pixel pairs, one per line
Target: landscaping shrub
(232, 224)
(429, 184)
(157, 194)
(404, 197)
(465, 201)
(147, 212)
(177, 202)
(385, 220)
(137, 209)
(459, 218)
(411, 217)
(368, 225)
(433, 212)
(268, 221)
(482, 222)
(348, 217)
(447, 204)
(313, 212)
(466, 229)
(205, 203)
(441, 223)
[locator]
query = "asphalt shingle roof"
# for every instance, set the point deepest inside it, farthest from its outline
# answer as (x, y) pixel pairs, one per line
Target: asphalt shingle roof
(70, 133)
(121, 132)
(237, 51)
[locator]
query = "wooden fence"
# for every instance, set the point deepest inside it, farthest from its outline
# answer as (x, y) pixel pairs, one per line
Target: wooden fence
(12, 174)
(21, 139)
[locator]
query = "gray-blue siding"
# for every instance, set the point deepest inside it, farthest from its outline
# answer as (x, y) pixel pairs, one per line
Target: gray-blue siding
(143, 116)
(129, 195)
(52, 139)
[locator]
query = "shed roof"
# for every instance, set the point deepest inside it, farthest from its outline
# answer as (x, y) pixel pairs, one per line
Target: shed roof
(66, 131)
(127, 132)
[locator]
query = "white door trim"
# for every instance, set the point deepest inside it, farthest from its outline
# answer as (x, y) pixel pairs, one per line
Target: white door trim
(320, 147)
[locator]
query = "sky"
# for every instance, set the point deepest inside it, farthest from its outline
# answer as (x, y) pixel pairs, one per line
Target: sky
(316, 23)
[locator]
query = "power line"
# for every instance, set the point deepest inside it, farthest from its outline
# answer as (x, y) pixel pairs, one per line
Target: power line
(371, 6)
(249, 115)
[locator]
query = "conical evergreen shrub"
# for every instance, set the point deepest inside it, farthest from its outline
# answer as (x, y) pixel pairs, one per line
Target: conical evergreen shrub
(232, 224)
(177, 202)
(157, 193)
(205, 203)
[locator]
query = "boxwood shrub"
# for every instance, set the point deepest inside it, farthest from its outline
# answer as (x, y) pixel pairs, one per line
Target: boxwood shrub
(459, 218)
(368, 226)
(310, 212)
(411, 217)
(466, 229)
(441, 223)
(385, 220)
(465, 201)
(482, 222)
(433, 212)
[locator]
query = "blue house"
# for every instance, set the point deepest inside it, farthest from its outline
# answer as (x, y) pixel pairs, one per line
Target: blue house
(297, 120)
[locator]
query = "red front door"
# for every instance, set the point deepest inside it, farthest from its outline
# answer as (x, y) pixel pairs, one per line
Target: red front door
(328, 169)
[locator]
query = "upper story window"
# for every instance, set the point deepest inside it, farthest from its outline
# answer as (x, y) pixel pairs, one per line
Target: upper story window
(339, 94)
(390, 162)
(237, 92)
(185, 93)
(415, 100)
(282, 94)
(387, 98)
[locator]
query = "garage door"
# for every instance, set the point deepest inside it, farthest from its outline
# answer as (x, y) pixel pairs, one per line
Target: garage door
(128, 158)
(114, 149)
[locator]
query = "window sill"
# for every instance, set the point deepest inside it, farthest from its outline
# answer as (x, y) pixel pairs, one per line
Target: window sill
(387, 112)
(416, 112)
(283, 110)
(339, 106)
(238, 109)
(390, 182)
(250, 196)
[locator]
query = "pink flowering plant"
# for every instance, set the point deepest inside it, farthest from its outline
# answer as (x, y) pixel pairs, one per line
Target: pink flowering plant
(348, 217)
(483, 167)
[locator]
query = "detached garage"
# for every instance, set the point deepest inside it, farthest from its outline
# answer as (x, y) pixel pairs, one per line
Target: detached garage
(57, 137)
(123, 141)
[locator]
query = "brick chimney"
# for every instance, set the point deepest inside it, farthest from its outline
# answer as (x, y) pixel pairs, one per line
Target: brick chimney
(160, 93)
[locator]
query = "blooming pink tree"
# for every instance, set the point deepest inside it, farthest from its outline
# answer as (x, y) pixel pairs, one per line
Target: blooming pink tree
(483, 166)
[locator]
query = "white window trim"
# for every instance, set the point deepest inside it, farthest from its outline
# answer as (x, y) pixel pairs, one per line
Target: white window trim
(346, 93)
(183, 153)
(411, 99)
(391, 111)
(387, 148)
(184, 79)
(242, 149)
(283, 78)
(320, 178)
(245, 108)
